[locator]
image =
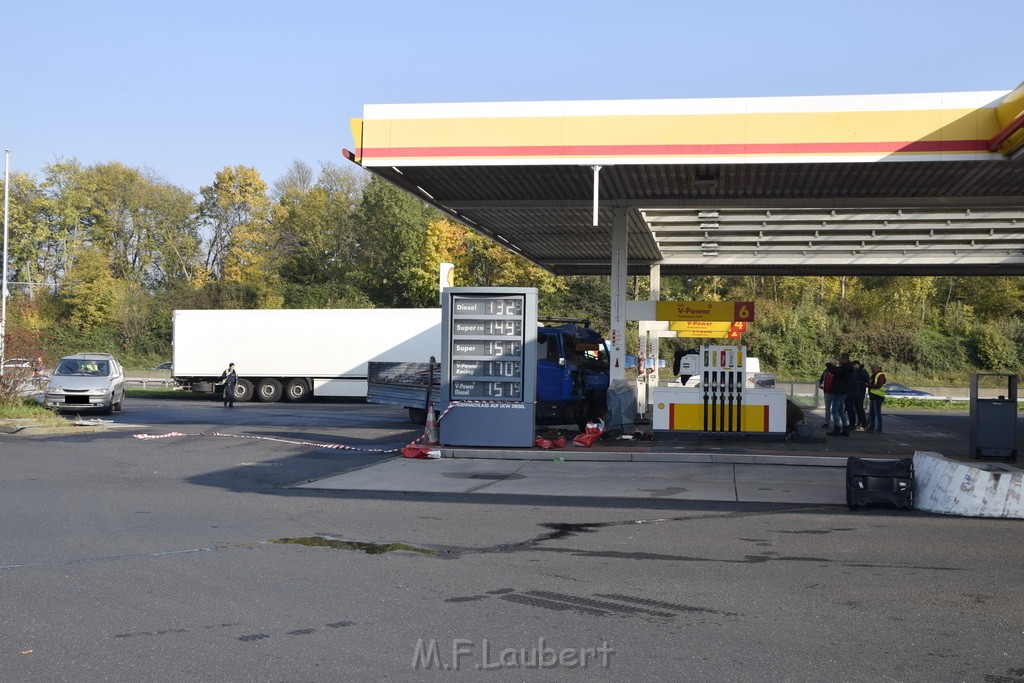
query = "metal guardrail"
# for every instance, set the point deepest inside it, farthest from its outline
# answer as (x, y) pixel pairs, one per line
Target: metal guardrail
(810, 393)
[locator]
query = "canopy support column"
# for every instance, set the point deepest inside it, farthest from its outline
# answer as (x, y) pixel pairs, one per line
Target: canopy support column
(620, 257)
(649, 348)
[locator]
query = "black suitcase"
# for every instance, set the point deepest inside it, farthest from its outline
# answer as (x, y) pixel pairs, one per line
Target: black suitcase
(889, 482)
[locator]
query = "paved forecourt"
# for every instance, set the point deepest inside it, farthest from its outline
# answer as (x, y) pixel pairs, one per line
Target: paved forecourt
(651, 480)
(738, 470)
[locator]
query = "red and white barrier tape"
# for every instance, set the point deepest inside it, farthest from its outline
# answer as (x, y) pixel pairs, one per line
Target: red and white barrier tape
(331, 446)
(447, 410)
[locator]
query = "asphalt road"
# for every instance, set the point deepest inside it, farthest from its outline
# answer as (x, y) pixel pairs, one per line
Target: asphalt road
(134, 560)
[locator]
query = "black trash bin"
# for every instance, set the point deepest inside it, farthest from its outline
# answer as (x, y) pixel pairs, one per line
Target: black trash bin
(993, 426)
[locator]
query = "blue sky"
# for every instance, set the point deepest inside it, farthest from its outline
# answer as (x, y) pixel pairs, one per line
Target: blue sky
(185, 88)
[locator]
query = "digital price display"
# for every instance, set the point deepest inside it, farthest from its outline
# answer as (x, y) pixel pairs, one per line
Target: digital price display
(487, 390)
(490, 328)
(487, 348)
(504, 347)
(487, 368)
(511, 307)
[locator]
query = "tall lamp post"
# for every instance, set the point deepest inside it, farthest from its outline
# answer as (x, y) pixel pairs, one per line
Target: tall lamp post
(3, 289)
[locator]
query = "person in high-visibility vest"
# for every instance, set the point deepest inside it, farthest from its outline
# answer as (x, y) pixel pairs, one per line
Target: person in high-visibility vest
(876, 392)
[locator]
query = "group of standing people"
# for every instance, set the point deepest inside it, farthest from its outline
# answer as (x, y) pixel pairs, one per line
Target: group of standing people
(845, 384)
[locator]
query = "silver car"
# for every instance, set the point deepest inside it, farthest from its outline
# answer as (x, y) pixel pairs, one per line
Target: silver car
(86, 381)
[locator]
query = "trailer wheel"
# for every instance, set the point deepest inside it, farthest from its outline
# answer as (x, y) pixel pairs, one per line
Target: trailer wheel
(297, 390)
(243, 390)
(269, 390)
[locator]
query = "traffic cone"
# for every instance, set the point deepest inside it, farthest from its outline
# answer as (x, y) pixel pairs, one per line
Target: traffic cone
(430, 433)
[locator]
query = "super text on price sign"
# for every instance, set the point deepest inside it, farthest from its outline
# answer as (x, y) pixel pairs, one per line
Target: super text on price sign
(722, 311)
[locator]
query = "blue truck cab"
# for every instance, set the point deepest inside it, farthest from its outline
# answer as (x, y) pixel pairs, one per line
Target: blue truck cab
(572, 374)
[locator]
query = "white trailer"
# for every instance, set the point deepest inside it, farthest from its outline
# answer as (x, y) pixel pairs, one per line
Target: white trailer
(298, 353)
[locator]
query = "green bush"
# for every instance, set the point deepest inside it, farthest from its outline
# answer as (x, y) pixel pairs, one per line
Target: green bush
(995, 351)
(334, 295)
(792, 342)
(885, 339)
(940, 356)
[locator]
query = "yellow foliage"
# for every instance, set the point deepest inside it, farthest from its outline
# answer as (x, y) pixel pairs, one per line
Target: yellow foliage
(479, 262)
(90, 290)
(249, 254)
(31, 318)
(244, 234)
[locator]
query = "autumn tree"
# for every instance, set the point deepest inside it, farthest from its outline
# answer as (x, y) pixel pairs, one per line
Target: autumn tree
(176, 238)
(478, 261)
(146, 226)
(388, 242)
(317, 224)
(27, 262)
(90, 292)
(241, 241)
(297, 180)
(64, 208)
(990, 297)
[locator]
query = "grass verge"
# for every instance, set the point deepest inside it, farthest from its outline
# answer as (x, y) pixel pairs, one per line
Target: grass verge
(29, 410)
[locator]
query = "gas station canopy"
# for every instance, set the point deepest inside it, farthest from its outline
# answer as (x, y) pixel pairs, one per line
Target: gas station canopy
(839, 185)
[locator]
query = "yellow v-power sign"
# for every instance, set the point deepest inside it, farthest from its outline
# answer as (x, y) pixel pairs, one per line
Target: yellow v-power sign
(710, 334)
(690, 326)
(720, 311)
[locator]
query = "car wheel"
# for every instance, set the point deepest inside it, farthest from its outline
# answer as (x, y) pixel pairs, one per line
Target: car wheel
(297, 390)
(269, 390)
(119, 406)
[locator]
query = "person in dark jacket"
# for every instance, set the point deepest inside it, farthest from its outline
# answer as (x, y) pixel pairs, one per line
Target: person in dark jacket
(855, 399)
(841, 378)
(825, 384)
(229, 378)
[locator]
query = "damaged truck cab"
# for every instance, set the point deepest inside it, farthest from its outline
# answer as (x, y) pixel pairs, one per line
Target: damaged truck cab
(572, 373)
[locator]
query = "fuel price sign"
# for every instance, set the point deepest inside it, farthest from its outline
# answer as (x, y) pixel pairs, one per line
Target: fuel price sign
(486, 360)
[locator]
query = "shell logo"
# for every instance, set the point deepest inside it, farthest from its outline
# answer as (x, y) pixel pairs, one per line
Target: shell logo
(447, 275)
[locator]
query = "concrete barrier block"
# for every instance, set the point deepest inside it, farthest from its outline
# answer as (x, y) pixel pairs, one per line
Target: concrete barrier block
(951, 487)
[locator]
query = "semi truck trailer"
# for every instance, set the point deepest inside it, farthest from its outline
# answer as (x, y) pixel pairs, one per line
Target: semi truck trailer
(296, 354)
